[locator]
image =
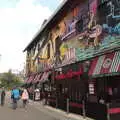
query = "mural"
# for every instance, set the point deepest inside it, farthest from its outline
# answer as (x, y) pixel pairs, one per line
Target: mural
(90, 29)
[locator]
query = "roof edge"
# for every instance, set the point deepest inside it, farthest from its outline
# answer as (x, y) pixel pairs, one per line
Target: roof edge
(47, 22)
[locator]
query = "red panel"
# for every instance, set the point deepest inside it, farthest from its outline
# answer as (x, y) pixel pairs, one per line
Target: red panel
(93, 65)
(114, 110)
(76, 105)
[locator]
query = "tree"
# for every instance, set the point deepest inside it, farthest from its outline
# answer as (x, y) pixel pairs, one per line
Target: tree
(9, 80)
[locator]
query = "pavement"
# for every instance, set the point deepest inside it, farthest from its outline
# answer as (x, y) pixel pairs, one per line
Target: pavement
(34, 111)
(57, 113)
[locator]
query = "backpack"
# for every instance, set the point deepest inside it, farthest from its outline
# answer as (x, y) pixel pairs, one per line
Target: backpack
(15, 94)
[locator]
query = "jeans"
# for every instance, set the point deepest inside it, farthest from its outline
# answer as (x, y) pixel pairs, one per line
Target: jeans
(24, 103)
(14, 104)
(2, 101)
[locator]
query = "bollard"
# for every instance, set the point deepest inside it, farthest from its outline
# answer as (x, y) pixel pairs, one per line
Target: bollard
(84, 113)
(108, 115)
(67, 105)
(56, 103)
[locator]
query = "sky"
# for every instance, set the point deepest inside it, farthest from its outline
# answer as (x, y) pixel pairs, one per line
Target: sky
(20, 20)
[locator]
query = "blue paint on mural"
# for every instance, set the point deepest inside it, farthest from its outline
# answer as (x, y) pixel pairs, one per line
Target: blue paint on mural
(112, 30)
(97, 27)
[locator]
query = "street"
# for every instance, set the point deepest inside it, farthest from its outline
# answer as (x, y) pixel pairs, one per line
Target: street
(33, 111)
(30, 113)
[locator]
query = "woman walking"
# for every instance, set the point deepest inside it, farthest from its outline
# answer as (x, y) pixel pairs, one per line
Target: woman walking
(25, 97)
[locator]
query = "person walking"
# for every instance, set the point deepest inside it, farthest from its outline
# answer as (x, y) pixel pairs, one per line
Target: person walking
(25, 97)
(2, 97)
(15, 96)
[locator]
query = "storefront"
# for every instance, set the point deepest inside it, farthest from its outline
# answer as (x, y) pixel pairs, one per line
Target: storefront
(104, 87)
(70, 84)
(35, 83)
(29, 84)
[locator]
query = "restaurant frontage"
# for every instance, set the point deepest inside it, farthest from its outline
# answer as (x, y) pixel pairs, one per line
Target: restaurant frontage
(38, 85)
(90, 88)
(70, 87)
(104, 87)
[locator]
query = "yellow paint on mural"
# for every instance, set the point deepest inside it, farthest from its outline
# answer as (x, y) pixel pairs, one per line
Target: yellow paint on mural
(44, 52)
(63, 49)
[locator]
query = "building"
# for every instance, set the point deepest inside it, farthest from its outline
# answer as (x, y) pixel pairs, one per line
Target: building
(76, 55)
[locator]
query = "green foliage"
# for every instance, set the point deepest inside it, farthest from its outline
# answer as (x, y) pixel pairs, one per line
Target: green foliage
(9, 80)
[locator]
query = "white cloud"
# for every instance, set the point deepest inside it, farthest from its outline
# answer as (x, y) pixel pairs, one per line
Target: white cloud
(18, 25)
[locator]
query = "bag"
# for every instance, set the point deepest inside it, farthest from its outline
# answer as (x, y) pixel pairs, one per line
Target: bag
(15, 97)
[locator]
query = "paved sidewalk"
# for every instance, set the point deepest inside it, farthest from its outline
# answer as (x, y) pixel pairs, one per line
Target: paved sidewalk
(37, 110)
(57, 113)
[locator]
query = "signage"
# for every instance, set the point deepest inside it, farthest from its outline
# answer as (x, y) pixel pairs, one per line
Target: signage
(37, 95)
(105, 64)
(91, 88)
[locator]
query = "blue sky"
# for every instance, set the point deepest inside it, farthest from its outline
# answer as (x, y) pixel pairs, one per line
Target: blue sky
(51, 4)
(20, 21)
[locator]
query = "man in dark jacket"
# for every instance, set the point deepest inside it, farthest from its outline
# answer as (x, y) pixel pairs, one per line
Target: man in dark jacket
(2, 97)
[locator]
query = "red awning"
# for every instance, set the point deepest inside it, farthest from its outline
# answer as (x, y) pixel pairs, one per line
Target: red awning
(45, 76)
(33, 81)
(105, 64)
(38, 78)
(27, 79)
(31, 78)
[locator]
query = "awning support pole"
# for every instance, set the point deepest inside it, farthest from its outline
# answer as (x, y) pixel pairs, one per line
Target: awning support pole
(84, 113)
(56, 102)
(67, 105)
(108, 115)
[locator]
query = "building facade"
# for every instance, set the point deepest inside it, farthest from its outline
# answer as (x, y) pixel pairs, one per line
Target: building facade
(79, 46)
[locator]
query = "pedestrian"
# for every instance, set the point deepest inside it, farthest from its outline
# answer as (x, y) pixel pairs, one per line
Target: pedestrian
(2, 97)
(15, 96)
(25, 97)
